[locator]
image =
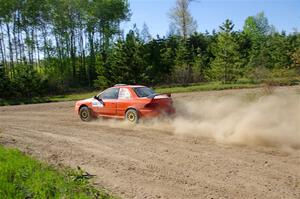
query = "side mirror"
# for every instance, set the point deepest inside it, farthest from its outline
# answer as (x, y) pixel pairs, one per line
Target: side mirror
(97, 98)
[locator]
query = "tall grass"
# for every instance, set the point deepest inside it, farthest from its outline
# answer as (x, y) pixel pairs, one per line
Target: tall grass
(24, 177)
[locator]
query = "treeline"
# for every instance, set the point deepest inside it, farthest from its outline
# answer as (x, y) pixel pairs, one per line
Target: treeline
(255, 54)
(52, 46)
(49, 46)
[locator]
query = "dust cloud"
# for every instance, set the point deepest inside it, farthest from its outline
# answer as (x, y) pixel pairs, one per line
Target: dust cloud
(268, 120)
(240, 119)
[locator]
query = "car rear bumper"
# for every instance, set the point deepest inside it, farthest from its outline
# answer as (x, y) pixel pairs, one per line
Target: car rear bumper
(149, 113)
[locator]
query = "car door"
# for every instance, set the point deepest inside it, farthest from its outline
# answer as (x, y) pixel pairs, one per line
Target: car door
(124, 101)
(108, 99)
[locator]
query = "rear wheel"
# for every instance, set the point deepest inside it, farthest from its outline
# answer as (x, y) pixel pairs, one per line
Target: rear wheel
(132, 116)
(85, 114)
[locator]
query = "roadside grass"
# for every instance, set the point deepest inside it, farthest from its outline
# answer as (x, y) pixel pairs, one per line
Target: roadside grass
(205, 87)
(210, 86)
(24, 177)
(55, 98)
(165, 89)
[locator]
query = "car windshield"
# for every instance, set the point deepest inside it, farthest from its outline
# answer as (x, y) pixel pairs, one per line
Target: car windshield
(143, 91)
(110, 93)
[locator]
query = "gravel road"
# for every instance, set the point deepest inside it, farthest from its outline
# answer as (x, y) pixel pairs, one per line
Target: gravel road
(149, 160)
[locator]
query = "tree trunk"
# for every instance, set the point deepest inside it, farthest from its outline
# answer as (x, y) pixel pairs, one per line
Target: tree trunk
(91, 67)
(2, 46)
(15, 40)
(11, 56)
(73, 55)
(27, 42)
(46, 47)
(20, 45)
(37, 49)
(82, 57)
(58, 49)
(33, 49)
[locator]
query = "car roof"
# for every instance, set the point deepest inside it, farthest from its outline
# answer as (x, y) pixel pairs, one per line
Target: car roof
(128, 86)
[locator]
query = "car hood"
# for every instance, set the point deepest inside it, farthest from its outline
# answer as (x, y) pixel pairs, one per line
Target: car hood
(84, 101)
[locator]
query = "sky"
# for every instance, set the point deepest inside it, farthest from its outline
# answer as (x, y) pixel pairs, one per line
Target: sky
(210, 14)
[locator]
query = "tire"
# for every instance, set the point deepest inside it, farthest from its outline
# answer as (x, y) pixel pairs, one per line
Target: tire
(132, 116)
(85, 114)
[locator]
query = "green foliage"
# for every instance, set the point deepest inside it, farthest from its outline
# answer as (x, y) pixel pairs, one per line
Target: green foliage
(4, 83)
(227, 60)
(27, 83)
(24, 177)
(256, 26)
(282, 78)
(52, 47)
(125, 63)
(296, 60)
(59, 39)
(183, 64)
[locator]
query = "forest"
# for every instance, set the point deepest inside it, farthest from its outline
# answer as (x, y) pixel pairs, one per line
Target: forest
(50, 47)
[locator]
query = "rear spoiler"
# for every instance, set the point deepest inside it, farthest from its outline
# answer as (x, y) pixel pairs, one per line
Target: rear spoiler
(157, 94)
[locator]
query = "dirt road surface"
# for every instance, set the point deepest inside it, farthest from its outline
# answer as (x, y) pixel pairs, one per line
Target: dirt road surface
(150, 161)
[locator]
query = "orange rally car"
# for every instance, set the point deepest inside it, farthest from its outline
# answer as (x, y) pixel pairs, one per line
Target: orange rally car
(130, 102)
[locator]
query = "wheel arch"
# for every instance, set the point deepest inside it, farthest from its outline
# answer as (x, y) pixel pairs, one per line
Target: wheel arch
(82, 105)
(133, 108)
(91, 110)
(136, 118)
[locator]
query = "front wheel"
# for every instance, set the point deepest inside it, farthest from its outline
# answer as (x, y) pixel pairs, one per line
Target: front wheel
(85, 114)
(132, 116)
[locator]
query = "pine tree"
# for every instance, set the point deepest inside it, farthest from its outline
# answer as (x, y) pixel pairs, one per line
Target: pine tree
(227, 60)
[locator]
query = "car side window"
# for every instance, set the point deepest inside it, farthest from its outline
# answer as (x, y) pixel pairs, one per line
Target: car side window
(111, 93)
(124, 93)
